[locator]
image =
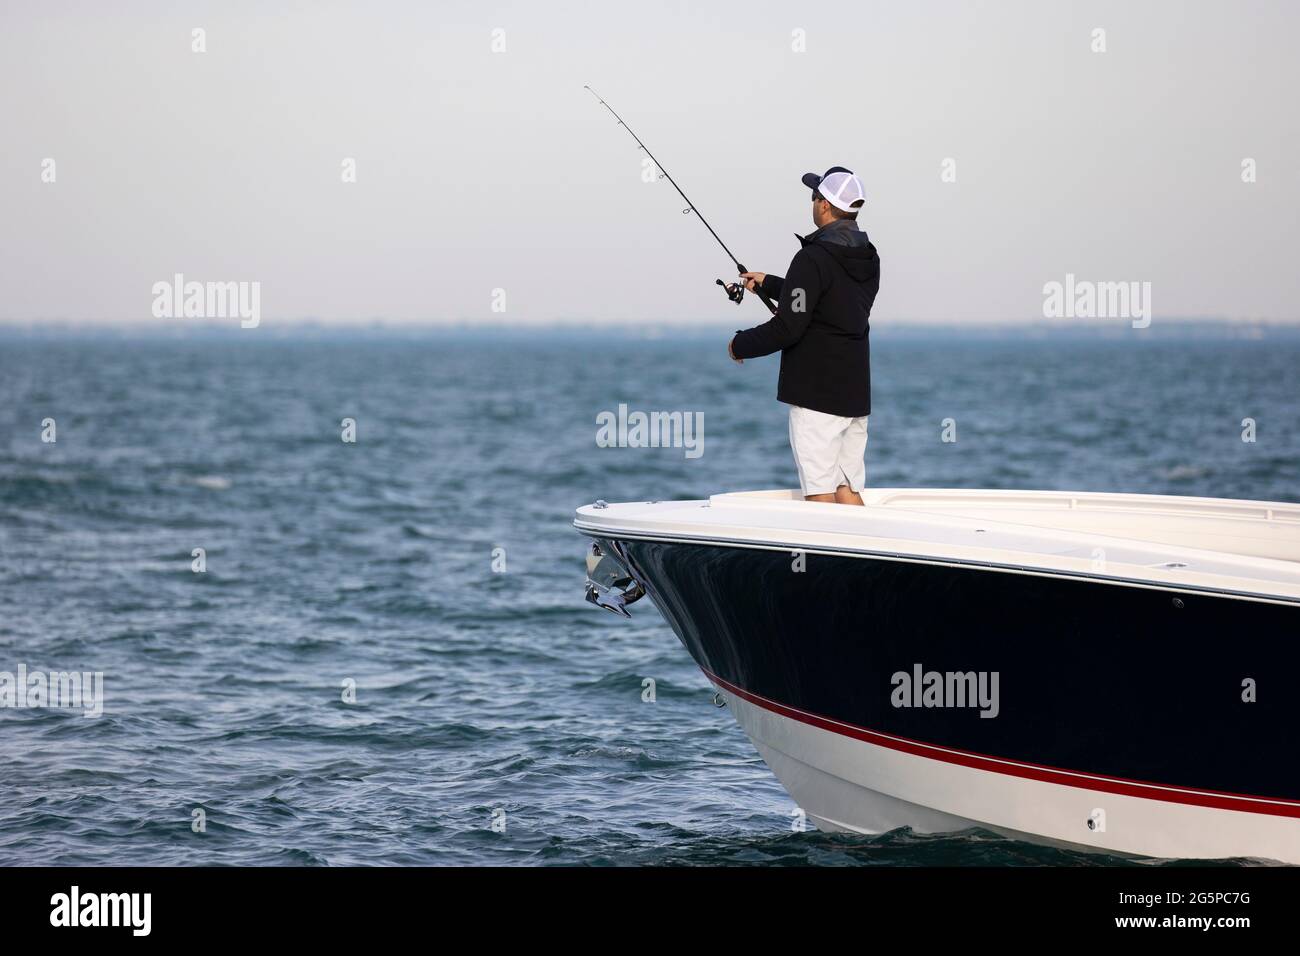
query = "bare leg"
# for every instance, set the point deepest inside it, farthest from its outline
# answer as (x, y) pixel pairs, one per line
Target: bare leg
(847, 496)
(843, 496)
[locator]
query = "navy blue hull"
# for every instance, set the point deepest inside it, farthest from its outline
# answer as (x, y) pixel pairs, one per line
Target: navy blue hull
(1128, 682)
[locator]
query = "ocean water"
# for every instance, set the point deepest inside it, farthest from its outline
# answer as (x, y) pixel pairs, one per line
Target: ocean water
(482, 693)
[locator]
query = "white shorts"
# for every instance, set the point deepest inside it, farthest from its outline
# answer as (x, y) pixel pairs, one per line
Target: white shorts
(829, 450)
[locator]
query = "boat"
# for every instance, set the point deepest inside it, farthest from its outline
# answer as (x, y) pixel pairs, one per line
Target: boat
(1111, 672)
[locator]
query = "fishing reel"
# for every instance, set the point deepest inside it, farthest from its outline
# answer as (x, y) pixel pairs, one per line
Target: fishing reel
(735, 290)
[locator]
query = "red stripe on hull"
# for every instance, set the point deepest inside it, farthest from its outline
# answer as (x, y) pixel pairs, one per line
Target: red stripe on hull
(1069, 778)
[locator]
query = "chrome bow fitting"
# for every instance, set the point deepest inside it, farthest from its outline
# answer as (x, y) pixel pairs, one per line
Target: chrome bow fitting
(608, 583)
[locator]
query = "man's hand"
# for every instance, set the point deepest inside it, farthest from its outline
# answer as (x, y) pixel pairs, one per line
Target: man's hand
(753, 280)
(738, 361)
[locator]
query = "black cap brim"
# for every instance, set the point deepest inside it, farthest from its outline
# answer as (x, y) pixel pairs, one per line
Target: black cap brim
(812, 180)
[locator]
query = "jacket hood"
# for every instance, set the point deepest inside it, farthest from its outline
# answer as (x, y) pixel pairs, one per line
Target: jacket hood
(849, 246)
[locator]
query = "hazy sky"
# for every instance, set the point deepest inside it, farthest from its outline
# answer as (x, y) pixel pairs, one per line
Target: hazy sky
(479, 170)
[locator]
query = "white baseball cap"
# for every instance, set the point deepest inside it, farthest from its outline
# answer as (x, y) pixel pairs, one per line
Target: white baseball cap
(839, 187)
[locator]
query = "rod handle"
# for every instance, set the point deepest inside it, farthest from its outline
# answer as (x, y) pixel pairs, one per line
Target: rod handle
(740, 269)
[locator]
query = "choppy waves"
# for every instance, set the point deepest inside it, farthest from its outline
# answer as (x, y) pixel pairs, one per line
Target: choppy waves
(429, 570)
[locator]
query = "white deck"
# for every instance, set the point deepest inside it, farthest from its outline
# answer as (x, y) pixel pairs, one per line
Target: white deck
(1243, 548)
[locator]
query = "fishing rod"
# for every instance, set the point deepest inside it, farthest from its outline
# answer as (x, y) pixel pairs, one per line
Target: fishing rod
(735, 290)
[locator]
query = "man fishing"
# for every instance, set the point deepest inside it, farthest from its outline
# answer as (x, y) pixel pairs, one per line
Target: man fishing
(821, 329)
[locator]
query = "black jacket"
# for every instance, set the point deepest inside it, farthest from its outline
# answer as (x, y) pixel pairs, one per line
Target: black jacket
(825, 353)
